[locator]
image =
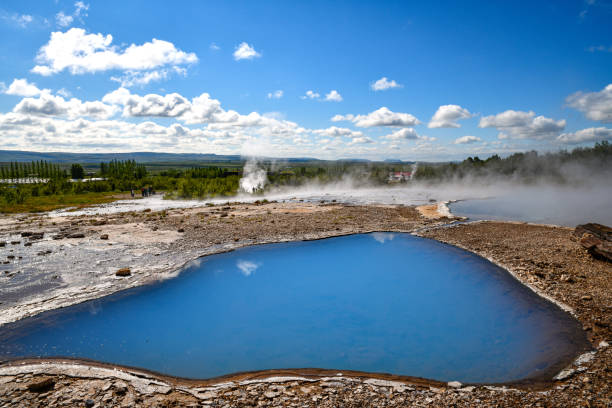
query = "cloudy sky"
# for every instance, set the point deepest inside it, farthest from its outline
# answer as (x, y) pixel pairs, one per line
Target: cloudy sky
(368, 79)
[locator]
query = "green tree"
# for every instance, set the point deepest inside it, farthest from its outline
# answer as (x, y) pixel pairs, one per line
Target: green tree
(77, 172)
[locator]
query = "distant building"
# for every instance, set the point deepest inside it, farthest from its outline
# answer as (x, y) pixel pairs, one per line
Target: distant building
(398, 176)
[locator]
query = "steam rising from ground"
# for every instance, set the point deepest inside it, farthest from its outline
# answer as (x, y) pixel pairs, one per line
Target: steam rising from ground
(584, 195)
(253, 179)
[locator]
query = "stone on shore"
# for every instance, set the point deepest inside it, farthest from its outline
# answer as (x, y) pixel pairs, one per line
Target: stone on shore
(595, 238)
(123, 272)
(41, 386)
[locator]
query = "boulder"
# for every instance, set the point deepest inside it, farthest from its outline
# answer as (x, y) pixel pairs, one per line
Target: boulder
(123, 272)
(41, 386)
(104, 236)
(595, 238)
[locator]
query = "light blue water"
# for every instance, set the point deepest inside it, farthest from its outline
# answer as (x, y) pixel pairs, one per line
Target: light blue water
(379, 302)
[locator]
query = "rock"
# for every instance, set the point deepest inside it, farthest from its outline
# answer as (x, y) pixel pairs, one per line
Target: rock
(76, 235)
(564, 375)
(36, 235)
(123, 272)
(104, 236)
(587, 297)
(121, 387)
(41, 386)
(27, 244)
(271, 394)
(2, 244)
(15, 242)
(89, 403)
(10, 257)
(595, 238)
(26, 234)
(97, 223)
(181, 230)
(454, 384)
(147, 210)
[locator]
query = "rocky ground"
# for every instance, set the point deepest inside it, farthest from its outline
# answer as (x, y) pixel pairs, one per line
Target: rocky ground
(87, 251)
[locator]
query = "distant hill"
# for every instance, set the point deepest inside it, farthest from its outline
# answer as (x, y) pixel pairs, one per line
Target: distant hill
(142, 157)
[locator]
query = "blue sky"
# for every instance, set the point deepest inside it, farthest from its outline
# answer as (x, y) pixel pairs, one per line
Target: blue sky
(408, 80)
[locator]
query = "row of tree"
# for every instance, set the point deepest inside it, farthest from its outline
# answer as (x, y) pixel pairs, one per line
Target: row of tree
(562, 167)
(35, 170)
(119, 169)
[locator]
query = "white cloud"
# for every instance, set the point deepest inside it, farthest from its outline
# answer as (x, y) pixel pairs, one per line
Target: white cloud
(22, 20)
(214, 47)
(79, 53)
(361, 140)
(245, 51)
(403, 134)
(200, 110)
(594, 105)
(22, 87)
(467, 140)
(56, 106)
(523, 125)
(276, 94)
(340, 118)
(311, 95)
(64, 92)
(586, 135)
(380, 117)
(333, 96)
(131, 78)
(80, 10)
(383, 84)
(447, 115)
(334, 131)
(63, 20)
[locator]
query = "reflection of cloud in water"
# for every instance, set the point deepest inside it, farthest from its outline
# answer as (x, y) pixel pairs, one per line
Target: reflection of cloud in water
(247, 267)
(382, 237)
(94, 308)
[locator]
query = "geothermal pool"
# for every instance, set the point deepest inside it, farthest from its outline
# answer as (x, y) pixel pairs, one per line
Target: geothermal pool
(380, 302)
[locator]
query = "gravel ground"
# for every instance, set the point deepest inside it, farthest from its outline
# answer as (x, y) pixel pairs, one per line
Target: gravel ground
(155, 244)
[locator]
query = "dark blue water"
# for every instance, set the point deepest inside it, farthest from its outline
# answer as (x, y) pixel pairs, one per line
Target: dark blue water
(381, 302)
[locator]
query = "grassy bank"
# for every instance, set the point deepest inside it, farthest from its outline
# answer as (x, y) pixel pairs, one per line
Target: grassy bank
(54, 202)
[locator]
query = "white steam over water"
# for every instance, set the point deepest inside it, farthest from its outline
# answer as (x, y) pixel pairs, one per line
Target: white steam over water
(541, 203)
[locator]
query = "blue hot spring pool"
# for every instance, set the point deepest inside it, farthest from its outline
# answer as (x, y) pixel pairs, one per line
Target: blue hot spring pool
(380, 302)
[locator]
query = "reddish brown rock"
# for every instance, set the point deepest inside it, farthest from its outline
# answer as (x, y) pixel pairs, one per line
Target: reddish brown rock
(595, 238)
(123, 272)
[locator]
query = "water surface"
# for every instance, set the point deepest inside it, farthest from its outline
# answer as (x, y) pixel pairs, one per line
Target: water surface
(381, 302)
